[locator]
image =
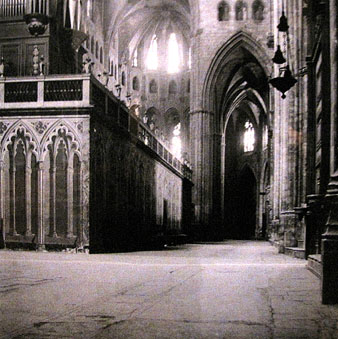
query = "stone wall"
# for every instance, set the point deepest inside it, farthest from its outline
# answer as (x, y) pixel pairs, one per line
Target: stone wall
(135, 196)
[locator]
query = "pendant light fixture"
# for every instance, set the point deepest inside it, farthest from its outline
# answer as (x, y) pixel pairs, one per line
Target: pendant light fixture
(283, 23)
(285, 80)
(278, 58)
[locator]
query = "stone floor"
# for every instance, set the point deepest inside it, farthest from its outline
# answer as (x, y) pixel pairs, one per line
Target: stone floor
(233, 289)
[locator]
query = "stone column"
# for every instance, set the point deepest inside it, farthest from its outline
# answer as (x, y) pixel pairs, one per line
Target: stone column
(52, 173)
(28, 174)
(217, 188)
(70, 171)
(41, 233)
(330, 237)
(13, 211)
(330, 246)
(80, 230)
(201, 139)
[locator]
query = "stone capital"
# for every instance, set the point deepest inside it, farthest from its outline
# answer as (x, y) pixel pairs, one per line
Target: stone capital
(41, 165)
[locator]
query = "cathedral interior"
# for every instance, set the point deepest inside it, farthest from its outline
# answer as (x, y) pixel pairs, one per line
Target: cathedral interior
(126, 124)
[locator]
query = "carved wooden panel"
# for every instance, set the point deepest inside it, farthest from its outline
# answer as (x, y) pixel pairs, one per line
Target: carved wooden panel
(12, 57)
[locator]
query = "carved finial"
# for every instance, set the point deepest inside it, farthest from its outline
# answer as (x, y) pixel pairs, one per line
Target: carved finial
(42, 65)
(35, 60)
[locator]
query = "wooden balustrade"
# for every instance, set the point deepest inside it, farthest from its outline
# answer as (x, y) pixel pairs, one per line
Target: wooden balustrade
(44, 92)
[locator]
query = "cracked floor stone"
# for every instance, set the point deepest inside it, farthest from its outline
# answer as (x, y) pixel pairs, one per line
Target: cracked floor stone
(232, 289)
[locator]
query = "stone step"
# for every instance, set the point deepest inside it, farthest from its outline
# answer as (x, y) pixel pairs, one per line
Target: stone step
(296, 252)
(314, 264)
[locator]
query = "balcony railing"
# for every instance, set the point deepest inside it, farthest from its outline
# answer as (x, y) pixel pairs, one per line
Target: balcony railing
(81, 91)
(45, 91)
(152, 142)
(18, 8)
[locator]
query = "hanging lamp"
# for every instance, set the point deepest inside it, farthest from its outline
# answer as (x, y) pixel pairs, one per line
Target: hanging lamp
(285, 82)
(283, 23)
(278, 58)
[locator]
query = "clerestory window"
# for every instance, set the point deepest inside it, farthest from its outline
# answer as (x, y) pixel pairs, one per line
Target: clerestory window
(152, 57)
(173, 54)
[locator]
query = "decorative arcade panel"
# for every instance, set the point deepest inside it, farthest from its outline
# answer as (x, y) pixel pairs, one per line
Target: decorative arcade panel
(42, 181)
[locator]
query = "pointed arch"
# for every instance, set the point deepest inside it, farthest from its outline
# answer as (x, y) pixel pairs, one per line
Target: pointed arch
(61, 130)
(31, 142)
(240, 39)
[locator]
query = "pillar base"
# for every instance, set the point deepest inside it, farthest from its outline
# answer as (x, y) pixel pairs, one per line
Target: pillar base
(330, 271)
(41, 248)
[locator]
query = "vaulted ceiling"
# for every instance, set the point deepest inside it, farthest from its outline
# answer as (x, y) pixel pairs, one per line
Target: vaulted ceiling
(132, 20)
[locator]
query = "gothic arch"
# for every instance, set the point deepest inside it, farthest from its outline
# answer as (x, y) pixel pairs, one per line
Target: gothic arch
(31, 142)
(240, 39)
(61, 130)
(236, 100)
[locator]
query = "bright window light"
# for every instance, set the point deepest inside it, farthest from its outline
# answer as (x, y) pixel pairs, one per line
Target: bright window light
(89, 8)
(173, 54)
(134, 63)
(176, 142)
(189, 59)
(152, 58)
(249, 137)
(265, 137)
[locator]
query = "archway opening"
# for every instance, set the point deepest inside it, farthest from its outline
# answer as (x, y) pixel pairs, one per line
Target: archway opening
(245, 212)
(237, 89)
(240, 184)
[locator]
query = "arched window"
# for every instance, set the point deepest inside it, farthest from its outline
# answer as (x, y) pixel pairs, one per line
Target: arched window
(188, 86)
(135, 59)
(172, 87)
(173, 54)
(112, 67)
(176, 142)
(223, 11)
(72, 14)
(136, 84)
(97, 50)
(101, 55)
(258, 10)
(153, 86)
(89, 8)
(152, 58)
(241, 10)
(249, 137)
(123, 79)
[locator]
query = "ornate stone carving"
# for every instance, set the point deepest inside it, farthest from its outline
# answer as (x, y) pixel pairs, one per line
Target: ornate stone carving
(78, 125)
(40, 126)
(3, 127)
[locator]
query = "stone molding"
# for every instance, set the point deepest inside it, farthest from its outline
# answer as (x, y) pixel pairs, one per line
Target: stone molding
(201, 112)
